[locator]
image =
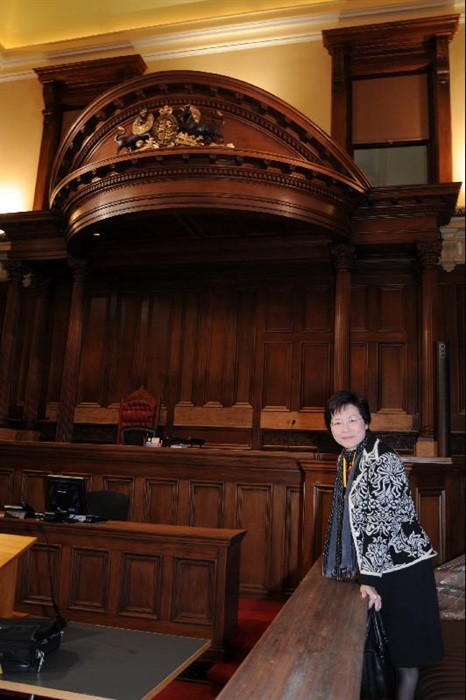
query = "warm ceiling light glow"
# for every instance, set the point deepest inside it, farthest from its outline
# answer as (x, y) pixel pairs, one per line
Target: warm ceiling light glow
(11, 199)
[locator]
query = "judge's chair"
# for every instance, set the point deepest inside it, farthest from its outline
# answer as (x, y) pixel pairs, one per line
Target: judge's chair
(138, 410)
(111, 505)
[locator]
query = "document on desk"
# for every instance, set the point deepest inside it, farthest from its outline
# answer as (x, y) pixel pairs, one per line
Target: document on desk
(108, 663)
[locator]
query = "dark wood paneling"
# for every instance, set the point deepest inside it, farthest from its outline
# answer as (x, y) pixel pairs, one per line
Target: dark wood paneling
(161, 501)
(141, 586)
(90, 579)
(93, 350)
(391, 364)
(232, 359)
(277, 374)
(254, 514)
(314, 386)
(431, 508)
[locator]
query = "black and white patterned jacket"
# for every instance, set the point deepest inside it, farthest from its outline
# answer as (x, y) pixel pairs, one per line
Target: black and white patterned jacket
(386, 533)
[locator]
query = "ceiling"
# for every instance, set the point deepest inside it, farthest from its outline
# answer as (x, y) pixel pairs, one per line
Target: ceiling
(31, 23)
(34, 22)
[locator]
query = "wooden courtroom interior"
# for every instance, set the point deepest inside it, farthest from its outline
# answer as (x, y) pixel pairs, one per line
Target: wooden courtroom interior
(234, 263)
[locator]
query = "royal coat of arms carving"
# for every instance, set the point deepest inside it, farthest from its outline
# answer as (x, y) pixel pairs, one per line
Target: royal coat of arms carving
(170, 127)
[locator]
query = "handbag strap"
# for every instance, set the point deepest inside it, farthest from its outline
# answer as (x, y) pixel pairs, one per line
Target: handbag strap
(59, 617)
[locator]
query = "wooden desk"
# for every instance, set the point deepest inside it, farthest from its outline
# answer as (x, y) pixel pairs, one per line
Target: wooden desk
(11, 547)
(97, 663)
(158, 578)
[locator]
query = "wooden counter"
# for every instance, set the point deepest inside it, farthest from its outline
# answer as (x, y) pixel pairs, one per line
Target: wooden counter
(159, 578)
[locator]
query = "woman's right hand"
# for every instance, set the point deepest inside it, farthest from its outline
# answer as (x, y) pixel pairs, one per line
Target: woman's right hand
(371, 593)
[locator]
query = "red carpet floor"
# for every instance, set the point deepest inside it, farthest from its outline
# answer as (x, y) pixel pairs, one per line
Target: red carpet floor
(254, 616)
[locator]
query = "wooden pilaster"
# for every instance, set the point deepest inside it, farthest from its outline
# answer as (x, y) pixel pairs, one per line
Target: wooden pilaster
(34, 385)
(343, 259)
(441, 109)
(16, 273)
(428, 255)
(70, 377)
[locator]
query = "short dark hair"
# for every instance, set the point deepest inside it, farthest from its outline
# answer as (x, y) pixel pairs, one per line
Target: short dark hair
(340, 399)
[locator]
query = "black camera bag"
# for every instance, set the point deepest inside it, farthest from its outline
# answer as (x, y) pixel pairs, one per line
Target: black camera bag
(25, 642)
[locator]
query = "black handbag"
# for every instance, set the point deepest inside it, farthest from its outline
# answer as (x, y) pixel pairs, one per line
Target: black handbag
(25, 642)
(377, 673)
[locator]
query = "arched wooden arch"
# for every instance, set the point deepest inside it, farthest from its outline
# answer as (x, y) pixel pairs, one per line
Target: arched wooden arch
(272, 169)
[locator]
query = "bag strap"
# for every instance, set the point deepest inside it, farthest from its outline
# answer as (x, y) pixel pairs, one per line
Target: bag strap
(59, 617)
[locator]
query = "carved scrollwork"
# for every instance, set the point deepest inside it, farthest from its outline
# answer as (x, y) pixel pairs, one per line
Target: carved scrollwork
(428, 253)
(343, 256)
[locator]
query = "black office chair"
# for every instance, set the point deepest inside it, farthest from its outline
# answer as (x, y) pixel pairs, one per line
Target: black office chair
(136, 435)
(111, 505)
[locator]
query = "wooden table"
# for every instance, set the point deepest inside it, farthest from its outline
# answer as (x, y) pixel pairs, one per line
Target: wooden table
(11, 547)
(98, 663)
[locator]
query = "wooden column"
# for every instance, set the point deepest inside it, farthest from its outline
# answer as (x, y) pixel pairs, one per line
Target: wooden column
(51, 132)
(7, 346)
(428, 253)
(441, 109)
(35, 378)
(70, 376)
(341, 112)
(343, 260)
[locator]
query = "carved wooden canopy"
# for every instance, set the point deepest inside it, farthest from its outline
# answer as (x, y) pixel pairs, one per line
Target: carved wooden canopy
(200, 158)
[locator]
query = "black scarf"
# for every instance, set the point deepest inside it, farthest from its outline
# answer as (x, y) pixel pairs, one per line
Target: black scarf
(339, 557)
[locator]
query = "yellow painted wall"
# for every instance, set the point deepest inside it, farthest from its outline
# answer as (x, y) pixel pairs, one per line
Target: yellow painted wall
(21, 107)
(296, 73)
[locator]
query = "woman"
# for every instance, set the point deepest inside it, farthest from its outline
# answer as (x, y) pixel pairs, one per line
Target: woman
(374, 535)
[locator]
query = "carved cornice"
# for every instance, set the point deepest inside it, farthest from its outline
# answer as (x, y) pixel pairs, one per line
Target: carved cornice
(437, 201)
(31, 224)
(390, 38)
(174, 164)
(92, 76)
(33, 236)
(234, 181)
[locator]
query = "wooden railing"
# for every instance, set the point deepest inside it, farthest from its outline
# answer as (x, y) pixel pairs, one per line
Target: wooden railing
(313, 648)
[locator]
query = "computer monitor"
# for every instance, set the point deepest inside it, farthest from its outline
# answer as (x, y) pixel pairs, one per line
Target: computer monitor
(66, 494)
